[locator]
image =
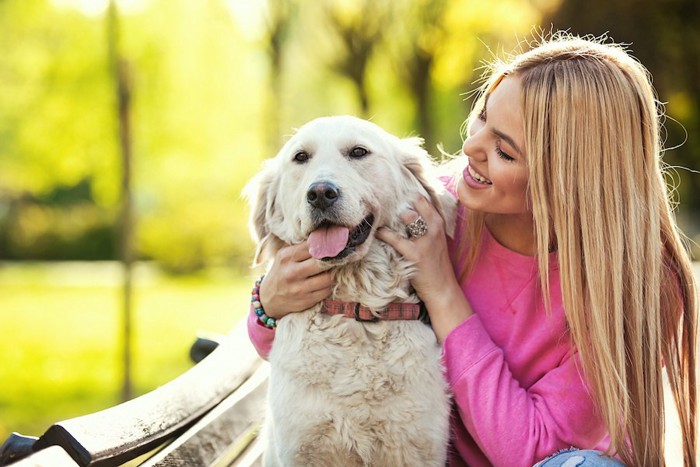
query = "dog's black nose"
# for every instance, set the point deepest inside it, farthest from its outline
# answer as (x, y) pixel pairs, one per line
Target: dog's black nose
(322, 195)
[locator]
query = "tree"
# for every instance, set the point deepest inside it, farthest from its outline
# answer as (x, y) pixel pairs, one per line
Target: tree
(278, 18)
(355, 28)
(123, 90)
(416, 44)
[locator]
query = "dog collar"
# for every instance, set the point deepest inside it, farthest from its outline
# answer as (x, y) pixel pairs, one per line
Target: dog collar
(393, 311)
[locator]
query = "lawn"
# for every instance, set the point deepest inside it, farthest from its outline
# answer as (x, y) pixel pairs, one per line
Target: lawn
(60, 352)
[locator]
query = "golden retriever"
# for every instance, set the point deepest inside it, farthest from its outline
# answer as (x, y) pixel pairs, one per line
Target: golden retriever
(345, 392)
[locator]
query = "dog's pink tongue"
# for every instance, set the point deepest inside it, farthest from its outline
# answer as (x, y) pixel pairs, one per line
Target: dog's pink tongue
(327, 242)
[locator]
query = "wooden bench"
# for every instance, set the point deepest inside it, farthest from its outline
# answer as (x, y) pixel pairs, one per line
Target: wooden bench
(210, 415)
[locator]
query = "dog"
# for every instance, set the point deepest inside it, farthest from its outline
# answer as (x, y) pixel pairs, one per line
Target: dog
(343, 391)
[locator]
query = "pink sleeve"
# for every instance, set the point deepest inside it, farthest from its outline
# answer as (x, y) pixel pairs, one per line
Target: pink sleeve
(260, 335)
(511, 423)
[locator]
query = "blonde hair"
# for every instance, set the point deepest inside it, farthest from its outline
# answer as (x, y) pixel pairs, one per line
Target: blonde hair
(598, 195)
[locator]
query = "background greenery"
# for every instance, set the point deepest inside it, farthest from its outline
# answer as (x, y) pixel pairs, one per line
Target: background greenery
(60, 353)
(216, 87)
(218, 84)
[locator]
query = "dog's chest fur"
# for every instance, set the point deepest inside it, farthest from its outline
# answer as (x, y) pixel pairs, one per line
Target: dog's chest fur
(344, 392)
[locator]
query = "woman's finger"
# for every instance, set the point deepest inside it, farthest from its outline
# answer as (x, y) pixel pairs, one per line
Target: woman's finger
(396, 241)
(302, 265)
(427, 211)
(320, 282)
(294, 282)
(296, 253)
(408, 215)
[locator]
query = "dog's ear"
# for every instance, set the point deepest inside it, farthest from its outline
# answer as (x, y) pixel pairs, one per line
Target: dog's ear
(261, 198)
(419, 163)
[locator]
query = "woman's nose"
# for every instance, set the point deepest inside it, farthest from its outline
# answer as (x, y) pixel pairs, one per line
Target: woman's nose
(473, 148)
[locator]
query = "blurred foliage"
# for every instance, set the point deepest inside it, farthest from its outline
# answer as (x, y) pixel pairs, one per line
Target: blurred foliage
(217, 85)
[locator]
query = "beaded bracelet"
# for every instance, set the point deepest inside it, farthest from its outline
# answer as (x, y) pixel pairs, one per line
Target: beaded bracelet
(258, 308)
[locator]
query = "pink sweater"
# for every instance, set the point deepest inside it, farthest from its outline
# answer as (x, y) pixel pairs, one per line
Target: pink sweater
(519, 396)
(518, 393)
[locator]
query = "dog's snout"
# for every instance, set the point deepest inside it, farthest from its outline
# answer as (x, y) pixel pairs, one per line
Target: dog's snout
(322, 195)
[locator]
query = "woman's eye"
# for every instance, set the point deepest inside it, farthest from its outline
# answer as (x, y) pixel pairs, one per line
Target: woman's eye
(358, 152)
(503, 155)
(301, 157)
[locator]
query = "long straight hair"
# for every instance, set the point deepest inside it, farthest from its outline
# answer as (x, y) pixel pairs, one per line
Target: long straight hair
(598, 196)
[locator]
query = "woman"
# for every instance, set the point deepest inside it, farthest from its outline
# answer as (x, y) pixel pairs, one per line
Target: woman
(567, 287)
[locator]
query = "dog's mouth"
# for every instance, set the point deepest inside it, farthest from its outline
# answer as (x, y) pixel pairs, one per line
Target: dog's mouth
(332, 241)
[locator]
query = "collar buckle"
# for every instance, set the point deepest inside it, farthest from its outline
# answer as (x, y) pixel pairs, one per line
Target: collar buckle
(373, 318)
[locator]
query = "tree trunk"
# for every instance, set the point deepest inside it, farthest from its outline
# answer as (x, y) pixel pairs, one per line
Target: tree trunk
(120, 72)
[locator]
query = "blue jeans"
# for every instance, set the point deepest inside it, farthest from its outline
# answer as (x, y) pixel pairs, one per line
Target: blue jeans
(579, 458)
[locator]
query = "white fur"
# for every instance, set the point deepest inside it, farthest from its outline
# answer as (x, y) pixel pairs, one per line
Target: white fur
(344, 392)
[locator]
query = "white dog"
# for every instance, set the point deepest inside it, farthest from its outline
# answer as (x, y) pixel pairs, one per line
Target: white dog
(347, 392)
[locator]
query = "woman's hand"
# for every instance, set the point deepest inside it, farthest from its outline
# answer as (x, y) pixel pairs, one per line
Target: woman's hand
(434, 279)
(295, 282)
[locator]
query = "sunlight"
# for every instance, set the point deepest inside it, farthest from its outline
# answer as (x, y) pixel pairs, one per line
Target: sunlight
(250, 17)
(96, 8)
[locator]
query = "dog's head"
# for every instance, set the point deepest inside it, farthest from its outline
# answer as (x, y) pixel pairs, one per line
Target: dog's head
(334, 183)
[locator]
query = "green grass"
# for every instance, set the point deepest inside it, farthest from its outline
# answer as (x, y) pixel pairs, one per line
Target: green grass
(60, 346)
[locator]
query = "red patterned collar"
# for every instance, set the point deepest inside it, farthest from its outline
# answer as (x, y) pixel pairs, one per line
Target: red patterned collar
(393, 311)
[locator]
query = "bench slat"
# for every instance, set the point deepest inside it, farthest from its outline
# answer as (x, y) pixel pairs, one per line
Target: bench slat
(224, 433)
(252, 456)
(124, 432)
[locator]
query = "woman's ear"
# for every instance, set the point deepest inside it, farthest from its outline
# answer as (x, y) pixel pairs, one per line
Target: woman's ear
(261, 197)
(418, 162)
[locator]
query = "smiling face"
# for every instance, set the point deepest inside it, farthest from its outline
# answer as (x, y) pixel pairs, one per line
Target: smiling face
(334, 183)
(496, 177)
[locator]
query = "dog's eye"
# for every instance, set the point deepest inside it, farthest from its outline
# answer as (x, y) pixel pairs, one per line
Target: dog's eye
(358, 152)
(301, 157)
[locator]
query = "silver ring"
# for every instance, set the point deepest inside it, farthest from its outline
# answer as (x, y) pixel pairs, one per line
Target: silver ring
(417, 228)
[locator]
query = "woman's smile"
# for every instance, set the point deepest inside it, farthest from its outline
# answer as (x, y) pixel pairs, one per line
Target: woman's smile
(474, 179)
